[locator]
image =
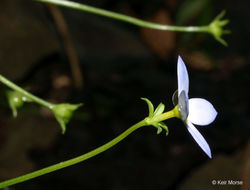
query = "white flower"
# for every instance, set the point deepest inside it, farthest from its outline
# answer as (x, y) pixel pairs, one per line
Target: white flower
(195, 110)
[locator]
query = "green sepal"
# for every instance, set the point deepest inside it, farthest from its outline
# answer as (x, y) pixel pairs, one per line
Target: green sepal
(159, 130)
(160, 126)
(62, 123)
(219, 16)
(63, 113)
(160, 109)
(164, 126)
(150, 107)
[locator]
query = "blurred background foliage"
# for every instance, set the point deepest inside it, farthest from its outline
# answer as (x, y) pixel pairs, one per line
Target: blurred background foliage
(120, 63)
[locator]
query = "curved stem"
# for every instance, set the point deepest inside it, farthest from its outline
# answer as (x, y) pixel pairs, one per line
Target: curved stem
(74, 160)
(25, 93)
(125, 18)
(145, 122)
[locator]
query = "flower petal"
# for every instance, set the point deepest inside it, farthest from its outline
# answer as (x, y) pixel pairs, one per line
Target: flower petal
(182, 74)
(199, 138)
(201, 111)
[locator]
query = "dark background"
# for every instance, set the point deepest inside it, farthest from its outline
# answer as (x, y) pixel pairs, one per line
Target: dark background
(120, 63)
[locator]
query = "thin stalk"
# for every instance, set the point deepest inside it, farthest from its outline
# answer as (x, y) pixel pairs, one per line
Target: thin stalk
(125, 18)
(145, 122)
(74, 160)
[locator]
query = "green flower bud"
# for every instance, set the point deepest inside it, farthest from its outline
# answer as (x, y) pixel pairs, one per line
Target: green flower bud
(16, 100)
(63, 113)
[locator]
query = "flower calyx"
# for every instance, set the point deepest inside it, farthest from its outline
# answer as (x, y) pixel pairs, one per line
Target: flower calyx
(216, 28)
(150, 120)
(63, 113)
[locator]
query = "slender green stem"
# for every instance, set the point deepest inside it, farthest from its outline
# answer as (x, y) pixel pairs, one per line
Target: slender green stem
(74, 160)
(125, 18)
(86, 156)
(25, 93)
